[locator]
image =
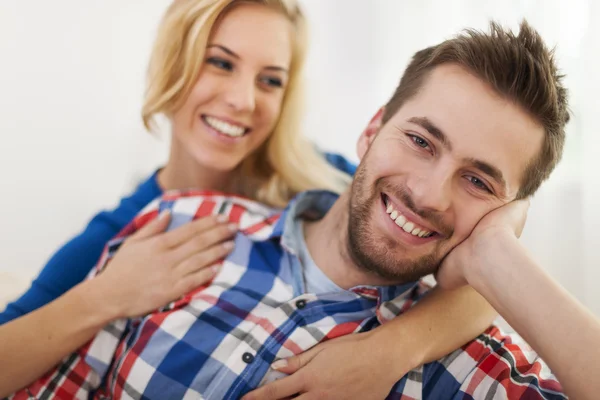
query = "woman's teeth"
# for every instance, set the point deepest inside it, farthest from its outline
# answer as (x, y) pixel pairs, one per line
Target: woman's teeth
(224, 127)
(408, 226)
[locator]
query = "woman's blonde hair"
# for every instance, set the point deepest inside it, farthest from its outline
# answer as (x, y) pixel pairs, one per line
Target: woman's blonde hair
(287, 163)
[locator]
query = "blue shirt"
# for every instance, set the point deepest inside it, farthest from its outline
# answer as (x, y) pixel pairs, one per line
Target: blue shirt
(71, 263)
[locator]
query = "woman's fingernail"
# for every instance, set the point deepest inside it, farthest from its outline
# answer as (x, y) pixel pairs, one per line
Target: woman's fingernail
(222, 218)
(228, 245)
(164, 213)
(279, 364)
(216, 268)
(233, 227)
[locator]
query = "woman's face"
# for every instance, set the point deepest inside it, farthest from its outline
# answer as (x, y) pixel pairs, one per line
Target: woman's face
(235, 104)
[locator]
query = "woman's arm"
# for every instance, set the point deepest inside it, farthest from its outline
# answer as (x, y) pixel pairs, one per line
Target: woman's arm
(33, 344)
(149, 270)
(73, 261)
(439, 324)
(442, 322)
(68, 267)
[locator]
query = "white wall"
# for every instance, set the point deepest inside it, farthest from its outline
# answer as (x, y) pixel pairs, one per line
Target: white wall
(71, 84)
(590, 164)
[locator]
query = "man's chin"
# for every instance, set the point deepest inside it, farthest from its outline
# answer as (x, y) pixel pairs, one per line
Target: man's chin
(388, 266)
(403, 272)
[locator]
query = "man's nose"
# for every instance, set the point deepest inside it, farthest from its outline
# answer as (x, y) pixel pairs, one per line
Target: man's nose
(432, 191)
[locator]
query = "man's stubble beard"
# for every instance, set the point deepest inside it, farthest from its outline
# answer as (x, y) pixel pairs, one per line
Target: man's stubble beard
(374, 254)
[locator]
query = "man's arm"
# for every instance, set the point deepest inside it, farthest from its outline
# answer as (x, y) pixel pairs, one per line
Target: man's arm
(556, 325)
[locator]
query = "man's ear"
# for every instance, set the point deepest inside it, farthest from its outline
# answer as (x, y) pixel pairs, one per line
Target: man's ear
(367, 136)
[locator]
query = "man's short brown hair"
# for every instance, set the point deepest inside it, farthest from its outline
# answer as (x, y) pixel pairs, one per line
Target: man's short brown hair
(518, 67)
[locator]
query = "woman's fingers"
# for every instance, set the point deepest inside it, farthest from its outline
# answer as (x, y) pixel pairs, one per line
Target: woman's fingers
(204, 258)
(184, 233)
(204, 240)
(153, 227)
(154, 267)
(196, 279)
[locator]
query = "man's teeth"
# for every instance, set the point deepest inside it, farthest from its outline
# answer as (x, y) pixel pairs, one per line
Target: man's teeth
(409, 227)
(224, 127)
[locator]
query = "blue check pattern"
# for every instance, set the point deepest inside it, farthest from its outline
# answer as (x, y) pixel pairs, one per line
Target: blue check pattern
(219, 341)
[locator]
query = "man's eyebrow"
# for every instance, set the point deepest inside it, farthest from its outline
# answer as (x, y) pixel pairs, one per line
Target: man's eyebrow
(433, 130)
(234, 55)
(489, 170)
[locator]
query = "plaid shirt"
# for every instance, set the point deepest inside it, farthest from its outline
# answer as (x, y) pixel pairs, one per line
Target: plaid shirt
(219, 341)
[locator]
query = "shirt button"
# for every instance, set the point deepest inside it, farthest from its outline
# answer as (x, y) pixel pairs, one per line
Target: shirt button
(300, 304)
(247, 358)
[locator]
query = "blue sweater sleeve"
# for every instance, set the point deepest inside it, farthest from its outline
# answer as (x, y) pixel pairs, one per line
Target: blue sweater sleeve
(71, 263)
(341, 163)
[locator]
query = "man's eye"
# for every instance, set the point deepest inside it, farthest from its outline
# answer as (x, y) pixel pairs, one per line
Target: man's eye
(478, 183)
(419, 141)
(220, 63)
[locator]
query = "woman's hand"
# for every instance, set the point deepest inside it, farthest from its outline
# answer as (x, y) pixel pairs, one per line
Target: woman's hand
(355, 366)
(150, 269)
(153, 267)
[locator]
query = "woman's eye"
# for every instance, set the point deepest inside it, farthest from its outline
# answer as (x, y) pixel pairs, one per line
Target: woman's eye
(478, 183)
(271, 81)
(220, 63)
(419, 141)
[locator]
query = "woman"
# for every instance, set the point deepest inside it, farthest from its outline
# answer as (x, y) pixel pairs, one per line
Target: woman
(226, 75)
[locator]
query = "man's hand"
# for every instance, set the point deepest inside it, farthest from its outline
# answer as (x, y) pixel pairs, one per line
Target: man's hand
(462, 264)
(349, 367)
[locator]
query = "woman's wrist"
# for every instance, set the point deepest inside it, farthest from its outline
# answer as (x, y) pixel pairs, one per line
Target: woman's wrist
(395, 352)
(97, 303)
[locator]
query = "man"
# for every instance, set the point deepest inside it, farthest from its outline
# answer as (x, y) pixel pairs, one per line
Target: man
(476, 123)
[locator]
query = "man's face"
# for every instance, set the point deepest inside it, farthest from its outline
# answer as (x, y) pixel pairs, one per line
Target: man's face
(450, 155)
